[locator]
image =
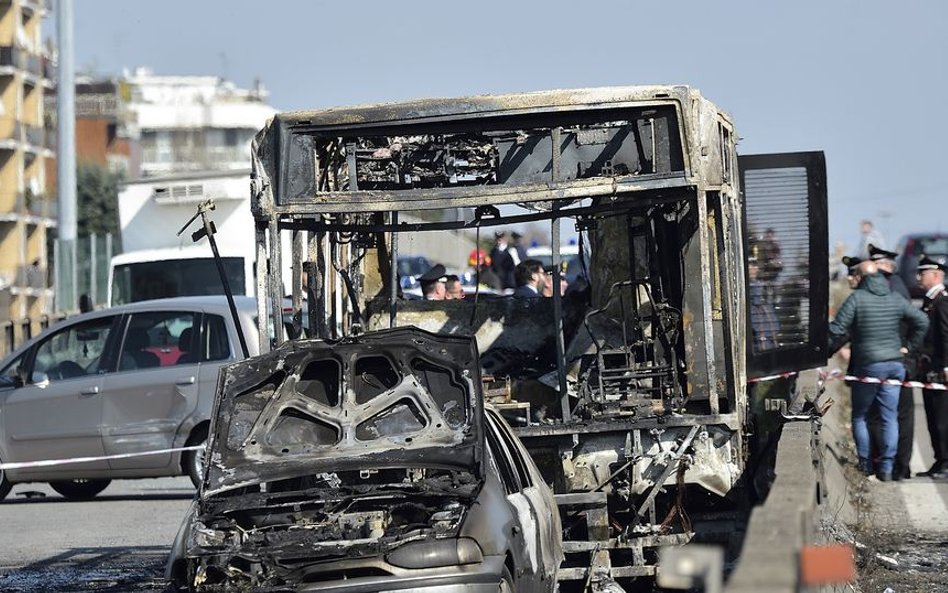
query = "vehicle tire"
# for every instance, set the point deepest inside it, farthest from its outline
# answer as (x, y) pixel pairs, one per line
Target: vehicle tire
(5, 484)
(80, 489)
(506, 582)
(193, 461)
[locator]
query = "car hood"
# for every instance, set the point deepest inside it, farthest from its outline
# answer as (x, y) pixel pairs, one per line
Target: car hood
(394, 398)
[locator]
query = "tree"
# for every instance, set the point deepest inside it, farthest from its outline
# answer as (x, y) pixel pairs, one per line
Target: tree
(97, 200)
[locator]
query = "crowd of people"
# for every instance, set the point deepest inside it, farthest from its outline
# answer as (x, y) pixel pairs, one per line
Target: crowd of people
(506, 269)
(891, 339)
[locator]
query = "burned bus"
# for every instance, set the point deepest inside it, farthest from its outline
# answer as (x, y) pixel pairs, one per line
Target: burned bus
(700, 269)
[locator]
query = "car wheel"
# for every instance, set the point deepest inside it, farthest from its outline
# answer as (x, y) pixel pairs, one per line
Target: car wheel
(194, 460)
(5, 484)
(80, 489)
(506, 582)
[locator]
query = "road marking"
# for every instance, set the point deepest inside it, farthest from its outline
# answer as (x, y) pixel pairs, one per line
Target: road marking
(922, 497)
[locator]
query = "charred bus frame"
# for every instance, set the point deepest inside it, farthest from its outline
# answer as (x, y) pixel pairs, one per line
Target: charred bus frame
(646, 394)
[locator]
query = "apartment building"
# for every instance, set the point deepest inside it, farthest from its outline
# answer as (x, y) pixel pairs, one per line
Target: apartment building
(27, 210)
(188, 124)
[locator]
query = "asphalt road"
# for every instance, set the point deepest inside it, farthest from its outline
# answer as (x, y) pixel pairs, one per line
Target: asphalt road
(907, 530)
(117, 542)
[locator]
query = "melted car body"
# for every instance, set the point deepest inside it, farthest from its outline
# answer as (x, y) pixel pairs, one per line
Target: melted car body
(365, 462)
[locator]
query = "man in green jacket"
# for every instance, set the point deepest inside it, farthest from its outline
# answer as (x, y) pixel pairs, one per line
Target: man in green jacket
(871, 317)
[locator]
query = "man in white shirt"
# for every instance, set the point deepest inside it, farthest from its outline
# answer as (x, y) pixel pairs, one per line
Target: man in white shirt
(869, 236)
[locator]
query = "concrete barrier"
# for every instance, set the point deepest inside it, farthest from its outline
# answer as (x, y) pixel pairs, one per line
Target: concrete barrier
(786, 521)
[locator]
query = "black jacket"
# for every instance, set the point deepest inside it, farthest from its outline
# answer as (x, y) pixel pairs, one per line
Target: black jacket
(898, 285)
(936, 340)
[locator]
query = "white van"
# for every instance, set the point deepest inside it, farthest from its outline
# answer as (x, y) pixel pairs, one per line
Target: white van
(164, 273)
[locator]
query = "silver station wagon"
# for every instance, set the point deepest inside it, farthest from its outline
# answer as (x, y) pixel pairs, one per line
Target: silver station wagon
(132, 379)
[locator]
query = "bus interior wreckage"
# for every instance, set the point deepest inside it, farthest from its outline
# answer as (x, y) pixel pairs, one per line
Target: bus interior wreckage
(629, 390)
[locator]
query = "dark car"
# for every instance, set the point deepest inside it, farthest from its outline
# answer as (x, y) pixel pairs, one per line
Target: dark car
(910, 248)
(365, 464)
(410, 267)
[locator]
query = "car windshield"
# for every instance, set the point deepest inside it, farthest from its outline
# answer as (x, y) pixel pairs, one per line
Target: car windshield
(933, 245)
(144, 281)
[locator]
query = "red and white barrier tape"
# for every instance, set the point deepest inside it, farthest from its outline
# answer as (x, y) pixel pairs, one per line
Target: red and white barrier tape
(51, 462)
(772, 377)
(837, 375)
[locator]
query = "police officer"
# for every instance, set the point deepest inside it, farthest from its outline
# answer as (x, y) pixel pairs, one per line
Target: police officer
(433, 283)
(934, 363)
(885, 261)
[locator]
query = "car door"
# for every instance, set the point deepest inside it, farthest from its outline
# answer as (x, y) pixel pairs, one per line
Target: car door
(522, 497)
(153, 390)
(787, 258)
(549, 527)
(213, 347)
(59, 413)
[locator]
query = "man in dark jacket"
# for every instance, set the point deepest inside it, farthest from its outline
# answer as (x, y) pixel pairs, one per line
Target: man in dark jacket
(871, 317)
(530, 279)
(502, 262)
(931, 277)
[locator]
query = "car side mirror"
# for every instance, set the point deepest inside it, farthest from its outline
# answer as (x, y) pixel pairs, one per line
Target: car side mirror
(39, 379)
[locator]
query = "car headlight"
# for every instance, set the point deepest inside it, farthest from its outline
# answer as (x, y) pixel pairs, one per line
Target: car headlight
(205, 537)
(432, 554)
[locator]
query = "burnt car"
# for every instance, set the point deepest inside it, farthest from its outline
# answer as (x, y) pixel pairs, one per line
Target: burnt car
(365, 464)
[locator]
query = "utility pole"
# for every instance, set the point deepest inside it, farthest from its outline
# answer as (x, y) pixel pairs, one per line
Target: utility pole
(66, 298)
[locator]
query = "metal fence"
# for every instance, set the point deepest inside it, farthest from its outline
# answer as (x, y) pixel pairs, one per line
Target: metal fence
(82, 268)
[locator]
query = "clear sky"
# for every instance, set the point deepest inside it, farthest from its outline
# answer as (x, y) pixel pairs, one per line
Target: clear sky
(864, 80)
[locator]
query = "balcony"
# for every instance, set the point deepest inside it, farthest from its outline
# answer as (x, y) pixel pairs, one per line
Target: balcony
(14, 133)
(34, 135)
(31, 277)
(50, 138)
(36, 6)
(49, 69)
(40, 205)
(95, 105)
(29, 204)
(14, 57)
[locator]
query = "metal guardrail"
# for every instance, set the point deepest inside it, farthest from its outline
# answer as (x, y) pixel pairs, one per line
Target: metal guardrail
(780, 533)
(788, 519)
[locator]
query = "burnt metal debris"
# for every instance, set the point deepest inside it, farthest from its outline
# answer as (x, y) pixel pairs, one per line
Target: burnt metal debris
(364, 459)
(630, 390)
